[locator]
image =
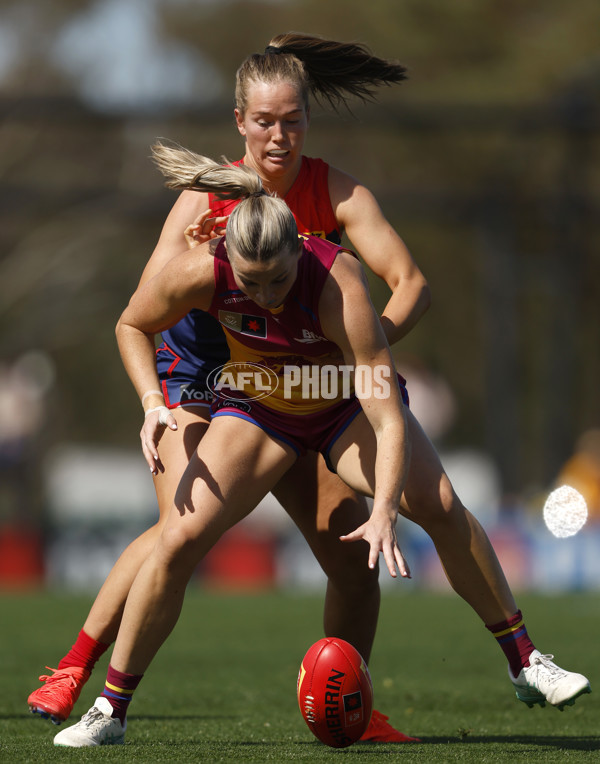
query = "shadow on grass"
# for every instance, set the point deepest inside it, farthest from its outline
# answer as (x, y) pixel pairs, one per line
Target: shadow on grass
(180, 717)
(558, 742)
(561, 742)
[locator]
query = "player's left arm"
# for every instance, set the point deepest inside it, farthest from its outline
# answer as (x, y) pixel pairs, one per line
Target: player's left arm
(348, 318)
(383, 251)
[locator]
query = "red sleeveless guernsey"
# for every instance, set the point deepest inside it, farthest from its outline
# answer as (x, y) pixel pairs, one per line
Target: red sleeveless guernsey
(308, 199)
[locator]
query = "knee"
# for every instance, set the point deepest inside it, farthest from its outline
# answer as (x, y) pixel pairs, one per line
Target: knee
(176, 548)
(154, 532)
(433, 506)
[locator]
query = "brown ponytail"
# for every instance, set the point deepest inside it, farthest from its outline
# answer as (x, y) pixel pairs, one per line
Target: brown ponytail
(332, 71)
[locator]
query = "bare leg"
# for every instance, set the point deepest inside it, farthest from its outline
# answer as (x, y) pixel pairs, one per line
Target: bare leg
(465, 551)
(211, 498)
(324, 508)
(466, 554)
(176, 448)
(429, 500)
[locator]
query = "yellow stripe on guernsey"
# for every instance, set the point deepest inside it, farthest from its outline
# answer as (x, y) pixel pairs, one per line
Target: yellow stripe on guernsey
(120, 690)
(298, 391)
(510, 630)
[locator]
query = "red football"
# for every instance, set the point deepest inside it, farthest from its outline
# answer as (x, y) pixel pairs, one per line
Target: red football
(335, 693)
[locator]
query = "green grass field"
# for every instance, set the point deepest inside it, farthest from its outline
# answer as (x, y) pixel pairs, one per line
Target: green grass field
(223, 687)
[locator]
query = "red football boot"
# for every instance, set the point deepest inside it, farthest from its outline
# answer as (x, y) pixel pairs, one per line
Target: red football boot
(56, 698)
(379, 731)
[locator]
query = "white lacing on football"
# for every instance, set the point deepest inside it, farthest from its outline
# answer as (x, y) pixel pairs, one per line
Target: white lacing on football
(309, 708)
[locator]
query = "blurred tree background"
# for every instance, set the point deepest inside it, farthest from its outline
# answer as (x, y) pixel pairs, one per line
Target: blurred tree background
(486, 161)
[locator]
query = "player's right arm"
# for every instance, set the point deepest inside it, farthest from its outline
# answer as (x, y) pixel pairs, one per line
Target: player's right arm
(186, 282)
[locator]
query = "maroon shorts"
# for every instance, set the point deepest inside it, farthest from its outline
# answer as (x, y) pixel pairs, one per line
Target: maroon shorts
(302, 432)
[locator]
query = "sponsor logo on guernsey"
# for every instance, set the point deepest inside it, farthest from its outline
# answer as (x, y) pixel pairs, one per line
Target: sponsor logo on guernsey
(309, 337)
(233, 404)
(253, 326)
(230, 300)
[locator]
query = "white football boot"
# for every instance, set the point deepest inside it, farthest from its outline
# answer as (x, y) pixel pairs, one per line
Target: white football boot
(97, 727)
(543, 681)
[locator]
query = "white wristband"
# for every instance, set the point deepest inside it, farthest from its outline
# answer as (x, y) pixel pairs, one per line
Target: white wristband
(151, 392)
(162, 417)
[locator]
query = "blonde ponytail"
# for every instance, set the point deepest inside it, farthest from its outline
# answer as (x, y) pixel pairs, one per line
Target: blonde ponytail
(260, 227)
(185, 169)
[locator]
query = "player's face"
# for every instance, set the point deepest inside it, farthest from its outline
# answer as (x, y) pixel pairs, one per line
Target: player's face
(274, 126)
(266, 283)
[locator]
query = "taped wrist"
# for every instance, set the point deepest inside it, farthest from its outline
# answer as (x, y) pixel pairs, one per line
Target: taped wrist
(163, 413)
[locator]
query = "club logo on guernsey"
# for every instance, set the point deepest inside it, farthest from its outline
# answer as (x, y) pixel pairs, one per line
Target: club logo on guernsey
(253, 326)
(252, 380)
(309, 337)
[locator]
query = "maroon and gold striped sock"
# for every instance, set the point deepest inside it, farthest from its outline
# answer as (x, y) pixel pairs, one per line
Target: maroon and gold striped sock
(119, 689)
(514, 640)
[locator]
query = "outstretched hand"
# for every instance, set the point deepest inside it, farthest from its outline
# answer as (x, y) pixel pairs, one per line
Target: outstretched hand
(154, 426)
(204, 228)
(380, 533)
